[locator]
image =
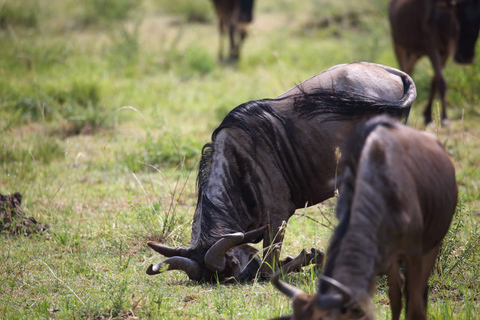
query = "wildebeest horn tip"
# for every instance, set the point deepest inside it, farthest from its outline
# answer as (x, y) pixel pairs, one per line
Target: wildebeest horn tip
(189, 266)
(166, 250)
(150, 270)
(345, 292)
(287, 289)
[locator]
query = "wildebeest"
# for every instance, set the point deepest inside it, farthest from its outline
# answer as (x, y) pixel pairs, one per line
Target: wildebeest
(270, 157)
(233, 18)
(435, 28)
(397, 198)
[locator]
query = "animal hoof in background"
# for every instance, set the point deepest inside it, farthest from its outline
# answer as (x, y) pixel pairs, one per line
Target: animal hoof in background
(316, 257)
(445, 123)
(428, 119)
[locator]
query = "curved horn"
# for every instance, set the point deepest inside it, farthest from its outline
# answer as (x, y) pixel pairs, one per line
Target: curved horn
(168, 251)
(329, 301)
(287, 289)
(191, 267)
(215, 256)
(345, 292)
(254, 236)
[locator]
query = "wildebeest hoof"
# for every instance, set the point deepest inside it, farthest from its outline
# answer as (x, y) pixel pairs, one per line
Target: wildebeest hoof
(445, 123)
(428, 119)
(317, 257)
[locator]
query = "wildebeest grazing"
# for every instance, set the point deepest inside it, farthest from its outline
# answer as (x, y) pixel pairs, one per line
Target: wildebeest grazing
(233, 19)
(397, 198)
(435, 28)
(270, 157)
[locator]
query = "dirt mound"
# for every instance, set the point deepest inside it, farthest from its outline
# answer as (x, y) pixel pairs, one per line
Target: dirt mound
(12, 218)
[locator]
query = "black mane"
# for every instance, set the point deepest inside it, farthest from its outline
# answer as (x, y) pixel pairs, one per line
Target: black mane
(351, 151)
(344, 105)
(266, 119)
(259, 112)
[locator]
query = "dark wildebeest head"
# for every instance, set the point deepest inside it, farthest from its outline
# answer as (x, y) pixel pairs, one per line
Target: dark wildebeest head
(397, 198)
(270, 157)
(437, 29)
(233, 19)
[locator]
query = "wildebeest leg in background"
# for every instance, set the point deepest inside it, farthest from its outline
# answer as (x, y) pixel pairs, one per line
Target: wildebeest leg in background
(395, 283)
(438, 82)
(406, 59)
(234, 45)
(221, 29)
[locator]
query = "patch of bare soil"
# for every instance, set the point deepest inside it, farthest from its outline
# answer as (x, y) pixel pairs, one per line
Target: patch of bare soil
(12, 218)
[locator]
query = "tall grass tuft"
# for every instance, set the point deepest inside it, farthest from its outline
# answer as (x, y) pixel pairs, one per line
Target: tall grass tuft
(42, 149)
(108, 11)
(124, 50)
(192, 11)
(31, 109)
(80, 108)
(19, 13)
(160, 220)
(165, 151)
(198, 60)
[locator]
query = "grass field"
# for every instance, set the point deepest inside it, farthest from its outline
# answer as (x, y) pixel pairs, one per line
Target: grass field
(104, 108)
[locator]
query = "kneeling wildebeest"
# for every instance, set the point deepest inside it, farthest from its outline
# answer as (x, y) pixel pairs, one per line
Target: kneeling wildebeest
(435, 28)
(397, 198)
(270, 157)
(233, 17)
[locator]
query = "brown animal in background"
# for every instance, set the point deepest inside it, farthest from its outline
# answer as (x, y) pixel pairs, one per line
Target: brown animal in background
(233, 17)
(270, 157)
(435, 28)
(397, 198)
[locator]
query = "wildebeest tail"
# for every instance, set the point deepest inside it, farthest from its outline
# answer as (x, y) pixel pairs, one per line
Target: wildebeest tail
(246, 11)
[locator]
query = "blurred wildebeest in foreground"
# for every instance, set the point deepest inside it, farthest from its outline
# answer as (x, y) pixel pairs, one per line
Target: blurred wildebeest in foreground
(270, 157)
(233, 18)
(435, 28)
(397, 198)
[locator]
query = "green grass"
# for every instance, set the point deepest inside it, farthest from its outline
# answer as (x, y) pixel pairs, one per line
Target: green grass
(102, 118)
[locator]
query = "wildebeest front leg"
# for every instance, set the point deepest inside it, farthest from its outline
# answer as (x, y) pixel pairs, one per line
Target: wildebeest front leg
(272, 246)
(302, 260)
